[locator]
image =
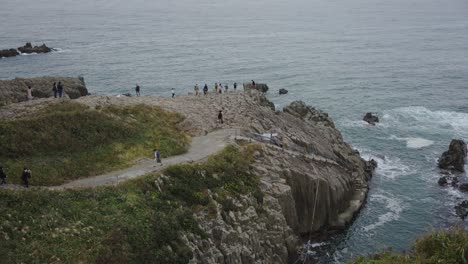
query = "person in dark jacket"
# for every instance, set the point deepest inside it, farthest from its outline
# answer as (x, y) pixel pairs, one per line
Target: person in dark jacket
(137, 90)
(26, 176)
(60, 89)
(220, 117)
(235, 86)
(157, 156)
(2, 176)
(54, 88)
(205, 89)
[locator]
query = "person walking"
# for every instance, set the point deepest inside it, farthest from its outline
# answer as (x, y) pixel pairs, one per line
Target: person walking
(137, 90)
(173, 92)
(235, 86)
(157, 156)
(220, 117)
(205, 89)
(60, 89)
(2, 176)
(196, 89)
(26, 176)
(29, 93)
(54, 89)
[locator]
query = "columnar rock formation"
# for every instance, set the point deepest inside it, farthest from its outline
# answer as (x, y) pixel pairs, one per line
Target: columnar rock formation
(316, 181)
(12, 91)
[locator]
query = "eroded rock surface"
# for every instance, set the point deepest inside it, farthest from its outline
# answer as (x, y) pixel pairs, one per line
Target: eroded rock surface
(13, 91)
(455, 157)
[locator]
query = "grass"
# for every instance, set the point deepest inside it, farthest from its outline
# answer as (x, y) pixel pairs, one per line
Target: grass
(443, 246)
(134, 222)
(67, 141)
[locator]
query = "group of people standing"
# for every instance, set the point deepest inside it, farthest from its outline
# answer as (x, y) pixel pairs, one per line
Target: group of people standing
(218, 88)
(25, 176)
(56, 88)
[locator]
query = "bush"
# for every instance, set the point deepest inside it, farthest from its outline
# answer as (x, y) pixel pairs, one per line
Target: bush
(444, 246)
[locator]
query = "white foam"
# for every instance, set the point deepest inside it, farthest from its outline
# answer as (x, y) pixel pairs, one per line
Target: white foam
(394, 208)
(59, 50)
(418, 117)
(414, 142)
(28, 54)
(388, 167)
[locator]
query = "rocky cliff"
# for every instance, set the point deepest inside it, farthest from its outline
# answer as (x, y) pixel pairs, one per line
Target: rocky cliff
(12, 91)
(310, 178)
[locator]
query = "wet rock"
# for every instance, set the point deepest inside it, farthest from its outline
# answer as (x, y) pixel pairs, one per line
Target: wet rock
(28, 48)
(454, 158)
(371, 165)
(371, 119)
(8, 53)
(283, 91)
(462, 209)
(455, 181)
(442, 181)
(463, 187)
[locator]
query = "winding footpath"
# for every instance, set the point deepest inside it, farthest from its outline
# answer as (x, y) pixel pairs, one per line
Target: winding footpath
(200, 149)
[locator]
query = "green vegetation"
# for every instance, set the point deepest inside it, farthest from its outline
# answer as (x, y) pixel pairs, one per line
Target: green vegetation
(69, 140)
(448, 247)
(135, 222)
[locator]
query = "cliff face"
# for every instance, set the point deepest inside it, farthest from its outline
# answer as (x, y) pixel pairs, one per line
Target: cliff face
(13, 91)
(315, 181)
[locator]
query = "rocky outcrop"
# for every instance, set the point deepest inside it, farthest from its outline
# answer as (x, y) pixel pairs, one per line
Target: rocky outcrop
(283, 91)
(454, 158)
(8, 53)
(370, 118)
(461, 209)
(315, 182)
(13, 91)
(261, 87)
(27, 48)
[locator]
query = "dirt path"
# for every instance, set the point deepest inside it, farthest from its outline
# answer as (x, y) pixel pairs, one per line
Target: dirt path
(201, 148)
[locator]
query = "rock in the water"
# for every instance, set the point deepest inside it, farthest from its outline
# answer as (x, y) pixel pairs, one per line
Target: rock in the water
(463, 187)
(371, 119)
(28, 48)
(455, 157)
(8, 53)
(442, 181)
(462, 209)
(283, 91)
(13, 91)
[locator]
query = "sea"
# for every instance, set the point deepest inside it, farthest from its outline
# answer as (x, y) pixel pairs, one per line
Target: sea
(404, 60)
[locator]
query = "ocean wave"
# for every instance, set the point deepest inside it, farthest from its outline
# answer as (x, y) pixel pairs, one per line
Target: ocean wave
(422, 118)
(414, 142)
(388, 167)
(393, 205)
(59, 50)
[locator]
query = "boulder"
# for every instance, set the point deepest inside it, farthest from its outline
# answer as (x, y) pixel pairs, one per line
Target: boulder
(258, 86)
(13, 91)
(442, 181)
(462, 209)
(463, 187)
(283, 91)
(371, 119)
(28, 48)
(454, 158)
(8, 53)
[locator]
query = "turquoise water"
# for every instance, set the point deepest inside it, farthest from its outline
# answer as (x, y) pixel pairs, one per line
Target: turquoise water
(406, 60)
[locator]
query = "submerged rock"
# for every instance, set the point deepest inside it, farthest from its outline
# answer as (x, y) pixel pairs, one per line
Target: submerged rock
(463, 187)
(462, 209)
(454, 158)
(283, 91)
(371, 119)
(442, 181)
